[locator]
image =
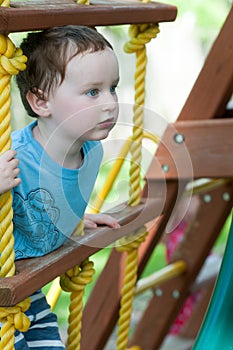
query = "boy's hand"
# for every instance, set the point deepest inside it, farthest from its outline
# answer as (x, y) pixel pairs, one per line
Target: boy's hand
(8, 171)
(93, 220)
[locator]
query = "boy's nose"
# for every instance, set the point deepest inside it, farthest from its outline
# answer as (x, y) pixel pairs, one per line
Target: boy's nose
(109, 100)
(109, 106)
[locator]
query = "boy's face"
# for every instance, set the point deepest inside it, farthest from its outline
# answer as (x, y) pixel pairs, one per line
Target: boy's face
(85, 106)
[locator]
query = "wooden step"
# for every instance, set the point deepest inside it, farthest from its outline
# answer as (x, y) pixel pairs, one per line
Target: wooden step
(41, 14)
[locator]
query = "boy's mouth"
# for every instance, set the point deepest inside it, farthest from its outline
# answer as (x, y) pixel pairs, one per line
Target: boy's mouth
(106, 124)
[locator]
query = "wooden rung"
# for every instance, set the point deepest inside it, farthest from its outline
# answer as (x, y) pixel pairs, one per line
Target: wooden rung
(175, 269)
(34, 273)
(41, 14)
(170, 271)
(201, 186)
(195, 149)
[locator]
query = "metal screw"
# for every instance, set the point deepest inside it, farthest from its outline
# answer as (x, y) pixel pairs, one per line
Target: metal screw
(165, 168)
(179, 138)
(226, 197)
(158, 292)
(207, 198)
(175, 294)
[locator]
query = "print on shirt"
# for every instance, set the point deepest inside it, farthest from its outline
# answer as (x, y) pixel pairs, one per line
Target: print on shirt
(35, 221)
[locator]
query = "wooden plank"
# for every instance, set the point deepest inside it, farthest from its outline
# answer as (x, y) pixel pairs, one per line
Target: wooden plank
(195, 149)
(34, 15)
(34, 273)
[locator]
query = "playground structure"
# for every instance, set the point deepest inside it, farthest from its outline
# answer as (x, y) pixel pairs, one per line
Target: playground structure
(204, 127)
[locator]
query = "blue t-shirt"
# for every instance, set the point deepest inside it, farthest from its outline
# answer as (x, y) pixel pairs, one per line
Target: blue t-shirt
(51, 200)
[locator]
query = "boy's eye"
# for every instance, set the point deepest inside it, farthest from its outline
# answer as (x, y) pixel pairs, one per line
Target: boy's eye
(113, 89)
(93, 92)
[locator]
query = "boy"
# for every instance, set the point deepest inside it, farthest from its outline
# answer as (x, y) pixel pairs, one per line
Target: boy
(69, 86)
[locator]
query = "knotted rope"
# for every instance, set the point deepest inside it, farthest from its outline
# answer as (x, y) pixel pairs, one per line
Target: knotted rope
(140, 35)
(74, 281)
(130, 245)
(13, 318)
(12, 61)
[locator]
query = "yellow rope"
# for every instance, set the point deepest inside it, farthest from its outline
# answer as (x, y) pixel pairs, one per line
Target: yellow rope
(114, 171)
(55, 288)
(83, 2)
(13, 318)
(5, 3)
(79, 229)
(130, 245)
(74, 281)
(11, 62)
(139, 35)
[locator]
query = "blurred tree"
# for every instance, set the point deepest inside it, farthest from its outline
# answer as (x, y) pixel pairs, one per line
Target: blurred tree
(209, 16)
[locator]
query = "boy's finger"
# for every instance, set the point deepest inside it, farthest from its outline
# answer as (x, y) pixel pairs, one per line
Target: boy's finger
(88, 223)
(8, 155)
(14, 163)
(16, 172)
(16, 182)
(103, 219)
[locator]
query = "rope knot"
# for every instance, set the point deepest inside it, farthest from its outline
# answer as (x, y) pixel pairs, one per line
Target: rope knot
(75, 279)
(12, 59)
(140, 35)
(14, 315)
(132, 241)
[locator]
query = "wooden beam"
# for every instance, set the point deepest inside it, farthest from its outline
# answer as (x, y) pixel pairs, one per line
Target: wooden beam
(41, 14)
(195, 149)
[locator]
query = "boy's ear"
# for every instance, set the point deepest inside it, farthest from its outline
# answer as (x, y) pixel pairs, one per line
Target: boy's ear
(38, 105)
